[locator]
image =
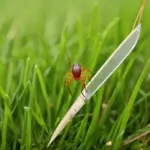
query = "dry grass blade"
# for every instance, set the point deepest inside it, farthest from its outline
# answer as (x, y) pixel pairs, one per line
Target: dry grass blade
(143, 132)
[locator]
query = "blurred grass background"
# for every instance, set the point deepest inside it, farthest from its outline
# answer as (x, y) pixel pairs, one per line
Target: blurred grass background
(34, 36)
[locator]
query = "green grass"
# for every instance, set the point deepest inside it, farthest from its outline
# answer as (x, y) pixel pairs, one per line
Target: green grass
(33, 64)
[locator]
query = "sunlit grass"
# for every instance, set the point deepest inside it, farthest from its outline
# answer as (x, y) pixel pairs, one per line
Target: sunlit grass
(33, 98)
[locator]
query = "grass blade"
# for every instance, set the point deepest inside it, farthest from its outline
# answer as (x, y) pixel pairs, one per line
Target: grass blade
(127, 110)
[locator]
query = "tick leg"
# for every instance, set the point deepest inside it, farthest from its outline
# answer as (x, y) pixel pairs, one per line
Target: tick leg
(86, 75)
(67, 82)
(69, 73)
(69, 77)
(69, 61)
(69, 89)
(86, 70)
(83, 86)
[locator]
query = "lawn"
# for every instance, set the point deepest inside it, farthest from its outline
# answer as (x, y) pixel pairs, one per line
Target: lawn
(35, 37)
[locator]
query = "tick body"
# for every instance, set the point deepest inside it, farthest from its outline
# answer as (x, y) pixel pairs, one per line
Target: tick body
(78, 74)
(76, 71)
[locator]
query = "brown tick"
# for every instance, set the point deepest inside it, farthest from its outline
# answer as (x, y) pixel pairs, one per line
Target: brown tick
(77, 73)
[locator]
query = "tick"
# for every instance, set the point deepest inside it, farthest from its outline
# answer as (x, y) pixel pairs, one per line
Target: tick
(77, 73)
